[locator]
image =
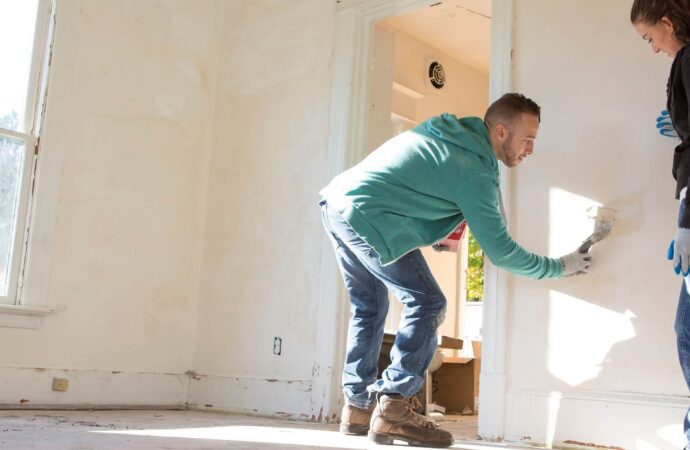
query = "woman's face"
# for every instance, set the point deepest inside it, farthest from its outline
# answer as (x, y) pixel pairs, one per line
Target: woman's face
(660, 36)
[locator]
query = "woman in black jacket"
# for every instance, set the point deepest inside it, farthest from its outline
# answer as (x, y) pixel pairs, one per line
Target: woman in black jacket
(665, 25)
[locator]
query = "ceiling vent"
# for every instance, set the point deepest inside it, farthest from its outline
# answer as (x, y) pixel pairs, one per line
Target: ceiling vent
(437, 75)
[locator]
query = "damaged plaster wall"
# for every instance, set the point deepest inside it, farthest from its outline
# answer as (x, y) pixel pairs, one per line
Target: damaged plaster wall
(593, 358)
(189, 131)
(192, 157)
(130, 109)
(263, 234)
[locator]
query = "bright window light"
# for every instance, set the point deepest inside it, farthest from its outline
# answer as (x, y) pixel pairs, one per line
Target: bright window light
(17, 28)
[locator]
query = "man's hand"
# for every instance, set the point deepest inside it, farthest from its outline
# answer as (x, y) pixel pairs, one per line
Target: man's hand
(679, 252)
(665, 126)
(575, 263)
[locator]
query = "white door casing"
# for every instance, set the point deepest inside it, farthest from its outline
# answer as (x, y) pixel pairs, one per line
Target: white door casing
(348, 144)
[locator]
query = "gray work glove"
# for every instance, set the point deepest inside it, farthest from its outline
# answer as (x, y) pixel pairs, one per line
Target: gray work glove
(575, 263)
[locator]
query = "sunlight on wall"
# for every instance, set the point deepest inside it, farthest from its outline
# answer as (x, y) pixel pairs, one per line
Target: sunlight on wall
(673, 434)
(581, 335)
(569, 221)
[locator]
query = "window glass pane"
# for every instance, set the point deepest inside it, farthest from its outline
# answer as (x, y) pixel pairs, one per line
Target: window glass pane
(11, 155)
(17, 26)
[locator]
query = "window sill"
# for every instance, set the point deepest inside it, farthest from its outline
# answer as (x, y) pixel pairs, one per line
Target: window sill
(22, 316)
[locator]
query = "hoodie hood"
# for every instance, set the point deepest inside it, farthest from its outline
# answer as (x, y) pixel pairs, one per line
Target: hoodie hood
(468, 133)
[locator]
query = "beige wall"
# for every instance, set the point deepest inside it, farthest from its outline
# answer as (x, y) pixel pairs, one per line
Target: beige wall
(465, 94)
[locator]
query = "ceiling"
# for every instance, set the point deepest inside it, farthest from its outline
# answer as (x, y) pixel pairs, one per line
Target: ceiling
(458, 28)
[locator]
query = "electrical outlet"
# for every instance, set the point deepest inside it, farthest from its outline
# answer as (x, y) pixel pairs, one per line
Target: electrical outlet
(60, 384)
(277, 345)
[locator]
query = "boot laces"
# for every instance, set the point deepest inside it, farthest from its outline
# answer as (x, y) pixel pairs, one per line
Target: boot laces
(412, 405)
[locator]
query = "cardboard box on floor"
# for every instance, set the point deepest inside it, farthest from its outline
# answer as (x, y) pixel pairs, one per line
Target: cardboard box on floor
(456, 383)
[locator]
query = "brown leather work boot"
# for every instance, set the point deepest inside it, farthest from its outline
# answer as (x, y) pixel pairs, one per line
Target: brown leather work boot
(395, 418)
(355, 420)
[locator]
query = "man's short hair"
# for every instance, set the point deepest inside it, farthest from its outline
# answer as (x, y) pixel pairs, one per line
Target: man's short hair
(508, 108)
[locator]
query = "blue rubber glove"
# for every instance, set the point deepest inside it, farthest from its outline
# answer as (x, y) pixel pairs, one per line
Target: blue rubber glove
(665, 126)
(679, 252)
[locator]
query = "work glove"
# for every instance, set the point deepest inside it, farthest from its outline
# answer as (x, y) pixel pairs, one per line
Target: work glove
(575, 263)
(679, 252)
(665, 126)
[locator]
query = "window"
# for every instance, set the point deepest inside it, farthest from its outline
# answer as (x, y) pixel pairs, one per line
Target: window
(24, 38)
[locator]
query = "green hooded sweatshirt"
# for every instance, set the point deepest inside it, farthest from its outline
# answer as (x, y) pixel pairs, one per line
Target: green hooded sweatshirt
(415, 189)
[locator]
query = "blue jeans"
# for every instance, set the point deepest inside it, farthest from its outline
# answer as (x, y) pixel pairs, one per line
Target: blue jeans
(368, 283)
(683, 341)
(682, 327)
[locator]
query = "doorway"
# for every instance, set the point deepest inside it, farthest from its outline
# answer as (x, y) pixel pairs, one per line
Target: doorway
(425, 62)
(349, 143)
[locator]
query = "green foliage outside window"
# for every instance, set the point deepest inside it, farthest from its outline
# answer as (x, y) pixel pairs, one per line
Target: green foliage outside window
(475, 270)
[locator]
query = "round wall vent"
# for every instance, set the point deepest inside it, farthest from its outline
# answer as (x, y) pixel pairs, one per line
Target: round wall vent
(437, 76)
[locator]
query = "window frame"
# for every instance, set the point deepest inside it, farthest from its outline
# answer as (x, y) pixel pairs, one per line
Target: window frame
(29, 134)
(18, 230)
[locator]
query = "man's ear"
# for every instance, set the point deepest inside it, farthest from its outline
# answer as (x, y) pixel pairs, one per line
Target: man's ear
(501, 131)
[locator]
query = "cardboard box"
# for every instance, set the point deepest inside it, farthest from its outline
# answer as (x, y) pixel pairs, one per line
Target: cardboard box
(454, 385)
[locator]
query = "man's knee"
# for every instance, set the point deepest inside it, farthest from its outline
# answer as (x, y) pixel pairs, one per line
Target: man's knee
(436, 306)
(443, 307)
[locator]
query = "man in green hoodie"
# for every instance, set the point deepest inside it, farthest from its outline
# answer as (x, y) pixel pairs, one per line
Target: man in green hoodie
(412, 192)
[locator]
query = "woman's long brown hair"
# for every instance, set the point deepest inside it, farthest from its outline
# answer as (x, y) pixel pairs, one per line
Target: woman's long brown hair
(652, 11)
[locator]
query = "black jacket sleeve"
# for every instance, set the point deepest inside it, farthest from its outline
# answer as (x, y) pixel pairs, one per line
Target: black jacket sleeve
(680, 107)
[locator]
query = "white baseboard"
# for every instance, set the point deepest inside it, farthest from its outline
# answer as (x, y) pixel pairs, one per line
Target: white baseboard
(32, 388)
(285, 398)
(29, 388)
(589, 419)
(491, 406)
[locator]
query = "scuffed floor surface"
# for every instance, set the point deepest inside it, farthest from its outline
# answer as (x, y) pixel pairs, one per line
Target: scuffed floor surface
(103, 430)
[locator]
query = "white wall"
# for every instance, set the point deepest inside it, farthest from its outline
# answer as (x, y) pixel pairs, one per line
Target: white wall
(194, 139)
(263, 233)
(130, 108)
(604, 344)
(187, 131)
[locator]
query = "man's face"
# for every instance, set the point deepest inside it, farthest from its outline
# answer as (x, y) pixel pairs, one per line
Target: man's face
(519, 143)
(660, 36)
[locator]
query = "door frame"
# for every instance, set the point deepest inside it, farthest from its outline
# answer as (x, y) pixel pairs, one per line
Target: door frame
(347, 146)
